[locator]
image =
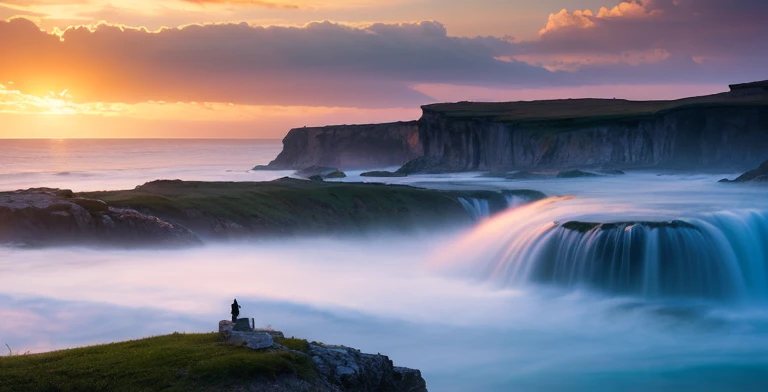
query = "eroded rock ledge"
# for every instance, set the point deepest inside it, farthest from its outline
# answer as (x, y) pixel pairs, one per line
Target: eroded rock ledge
(44, 216)
(179, 213)
(339, 368)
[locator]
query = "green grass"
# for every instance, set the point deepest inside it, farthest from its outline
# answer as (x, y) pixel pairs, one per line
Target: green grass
(287, 205)
(581, 112)
(178, 362)
(294, 344)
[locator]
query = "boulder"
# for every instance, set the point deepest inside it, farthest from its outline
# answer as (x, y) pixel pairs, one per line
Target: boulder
(254, 340)
(243, 325)
(319, 173)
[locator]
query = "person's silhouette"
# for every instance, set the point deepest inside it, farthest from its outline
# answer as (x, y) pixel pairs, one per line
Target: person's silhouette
(235, 310)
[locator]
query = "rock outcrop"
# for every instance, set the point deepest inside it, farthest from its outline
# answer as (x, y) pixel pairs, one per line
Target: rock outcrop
(757, 175)
(319, 173)
(44, 216)
(177, 213)
(382, 174)
(339, 368)
(349, 147)
(707, 132)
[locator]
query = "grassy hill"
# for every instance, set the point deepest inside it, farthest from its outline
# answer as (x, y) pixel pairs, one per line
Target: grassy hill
(293, 206)
(178, 362)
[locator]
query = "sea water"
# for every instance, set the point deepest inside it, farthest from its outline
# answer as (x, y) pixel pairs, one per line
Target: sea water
(463, 306)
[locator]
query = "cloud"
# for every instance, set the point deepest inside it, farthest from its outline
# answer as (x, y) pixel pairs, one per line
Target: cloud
(711, 31)
(258, 3)
(377, 65)
(322, 63)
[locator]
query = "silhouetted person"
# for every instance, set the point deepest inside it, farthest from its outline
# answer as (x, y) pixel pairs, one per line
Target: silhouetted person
(235, 311)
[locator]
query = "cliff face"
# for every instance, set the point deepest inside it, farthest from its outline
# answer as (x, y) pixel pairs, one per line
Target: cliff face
(697, 136)
(350, 147)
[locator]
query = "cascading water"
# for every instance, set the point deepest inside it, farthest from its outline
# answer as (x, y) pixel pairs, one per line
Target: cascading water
(481, 208)
(721, 255)
(514, 201)
(478, 208)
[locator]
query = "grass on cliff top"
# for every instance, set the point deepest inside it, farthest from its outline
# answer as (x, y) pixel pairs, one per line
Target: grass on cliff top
(178, 362)
(580, 111)
(286, 204)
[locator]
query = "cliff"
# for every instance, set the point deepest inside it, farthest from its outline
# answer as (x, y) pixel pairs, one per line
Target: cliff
(717, 131)
(349, 147)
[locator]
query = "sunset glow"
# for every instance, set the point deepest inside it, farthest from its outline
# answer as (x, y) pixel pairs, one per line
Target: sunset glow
(271, 62)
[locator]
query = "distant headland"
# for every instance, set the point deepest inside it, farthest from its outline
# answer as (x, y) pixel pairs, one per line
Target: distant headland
(727, 130)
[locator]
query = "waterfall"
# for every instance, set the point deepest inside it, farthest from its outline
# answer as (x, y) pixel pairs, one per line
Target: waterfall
(481, 208)
(721, 255)
(514, 201)
(478, 208)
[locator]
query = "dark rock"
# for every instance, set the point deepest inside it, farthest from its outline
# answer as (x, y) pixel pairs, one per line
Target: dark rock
(271, 332)
(612, 172)
(93, 206)
(339, 368)
(697, 133)
(242, 324)
(356, 371)
(350, 147)
(409, 380)
(44, 216)
(725, 180)
(382, 174)
(575, 174)
(262, 168)
(526, 175)
(320, 173)
(425, 165)
(757, 175)
(584, 227)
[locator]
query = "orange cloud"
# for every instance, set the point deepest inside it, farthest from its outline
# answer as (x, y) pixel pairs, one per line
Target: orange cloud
(586, 18)
(321, 63)
(661, 37)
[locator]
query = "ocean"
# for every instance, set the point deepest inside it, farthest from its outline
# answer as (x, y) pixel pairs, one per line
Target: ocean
(110, 164)
(514, 303)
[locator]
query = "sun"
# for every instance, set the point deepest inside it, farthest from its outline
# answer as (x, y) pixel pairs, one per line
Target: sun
(55, 103)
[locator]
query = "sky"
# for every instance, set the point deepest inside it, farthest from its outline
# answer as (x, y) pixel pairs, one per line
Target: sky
(256, 68)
